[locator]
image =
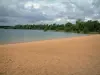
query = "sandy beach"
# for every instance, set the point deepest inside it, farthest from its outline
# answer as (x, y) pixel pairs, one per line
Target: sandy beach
(66, 56)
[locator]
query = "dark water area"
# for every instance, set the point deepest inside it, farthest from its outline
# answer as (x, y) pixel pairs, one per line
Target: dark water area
(8, 36)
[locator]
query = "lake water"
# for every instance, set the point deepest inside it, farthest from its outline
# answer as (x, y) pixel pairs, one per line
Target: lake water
(15, 36)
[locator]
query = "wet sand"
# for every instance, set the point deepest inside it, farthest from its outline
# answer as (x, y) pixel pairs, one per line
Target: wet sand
(66, 56)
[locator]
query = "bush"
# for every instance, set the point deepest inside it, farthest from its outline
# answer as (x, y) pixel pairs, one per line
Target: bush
(85, 30)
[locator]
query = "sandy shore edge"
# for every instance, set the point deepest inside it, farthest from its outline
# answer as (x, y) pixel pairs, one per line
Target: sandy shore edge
(65, 56)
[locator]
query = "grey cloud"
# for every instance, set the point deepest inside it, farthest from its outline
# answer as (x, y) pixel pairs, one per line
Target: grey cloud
(19, 14)
(3, 20)
(96, 3)
(83, 9)
(14, 12)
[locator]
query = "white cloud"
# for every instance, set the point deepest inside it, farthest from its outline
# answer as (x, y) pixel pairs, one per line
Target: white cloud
(58, 19)
(87, 18)
(31, 4)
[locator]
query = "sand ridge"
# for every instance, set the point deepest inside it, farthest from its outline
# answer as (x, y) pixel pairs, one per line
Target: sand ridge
(66, 56)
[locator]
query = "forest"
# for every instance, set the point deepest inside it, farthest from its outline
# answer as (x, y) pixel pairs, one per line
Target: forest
(80, 26)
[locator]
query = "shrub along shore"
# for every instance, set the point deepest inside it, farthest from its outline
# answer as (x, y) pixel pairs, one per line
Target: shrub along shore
(86, 27)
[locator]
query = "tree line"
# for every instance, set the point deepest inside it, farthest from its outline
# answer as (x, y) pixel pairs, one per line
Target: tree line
(80, 27)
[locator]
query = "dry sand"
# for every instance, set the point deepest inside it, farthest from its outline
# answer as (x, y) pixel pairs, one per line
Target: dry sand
(67, 56)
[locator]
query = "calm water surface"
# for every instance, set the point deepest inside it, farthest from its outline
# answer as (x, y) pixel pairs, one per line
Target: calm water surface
(15, 36)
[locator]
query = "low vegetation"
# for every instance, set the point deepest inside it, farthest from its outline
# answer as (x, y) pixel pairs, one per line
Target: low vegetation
(80, 27)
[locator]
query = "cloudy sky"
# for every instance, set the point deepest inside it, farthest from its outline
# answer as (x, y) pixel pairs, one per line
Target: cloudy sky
(14, 12)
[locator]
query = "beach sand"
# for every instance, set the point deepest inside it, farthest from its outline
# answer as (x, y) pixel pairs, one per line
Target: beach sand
(66, 56)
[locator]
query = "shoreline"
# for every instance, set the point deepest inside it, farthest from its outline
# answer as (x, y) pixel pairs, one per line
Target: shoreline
(48, 39)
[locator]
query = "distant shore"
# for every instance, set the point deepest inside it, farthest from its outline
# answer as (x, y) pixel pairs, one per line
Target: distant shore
(66, 56)
(85, 27)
